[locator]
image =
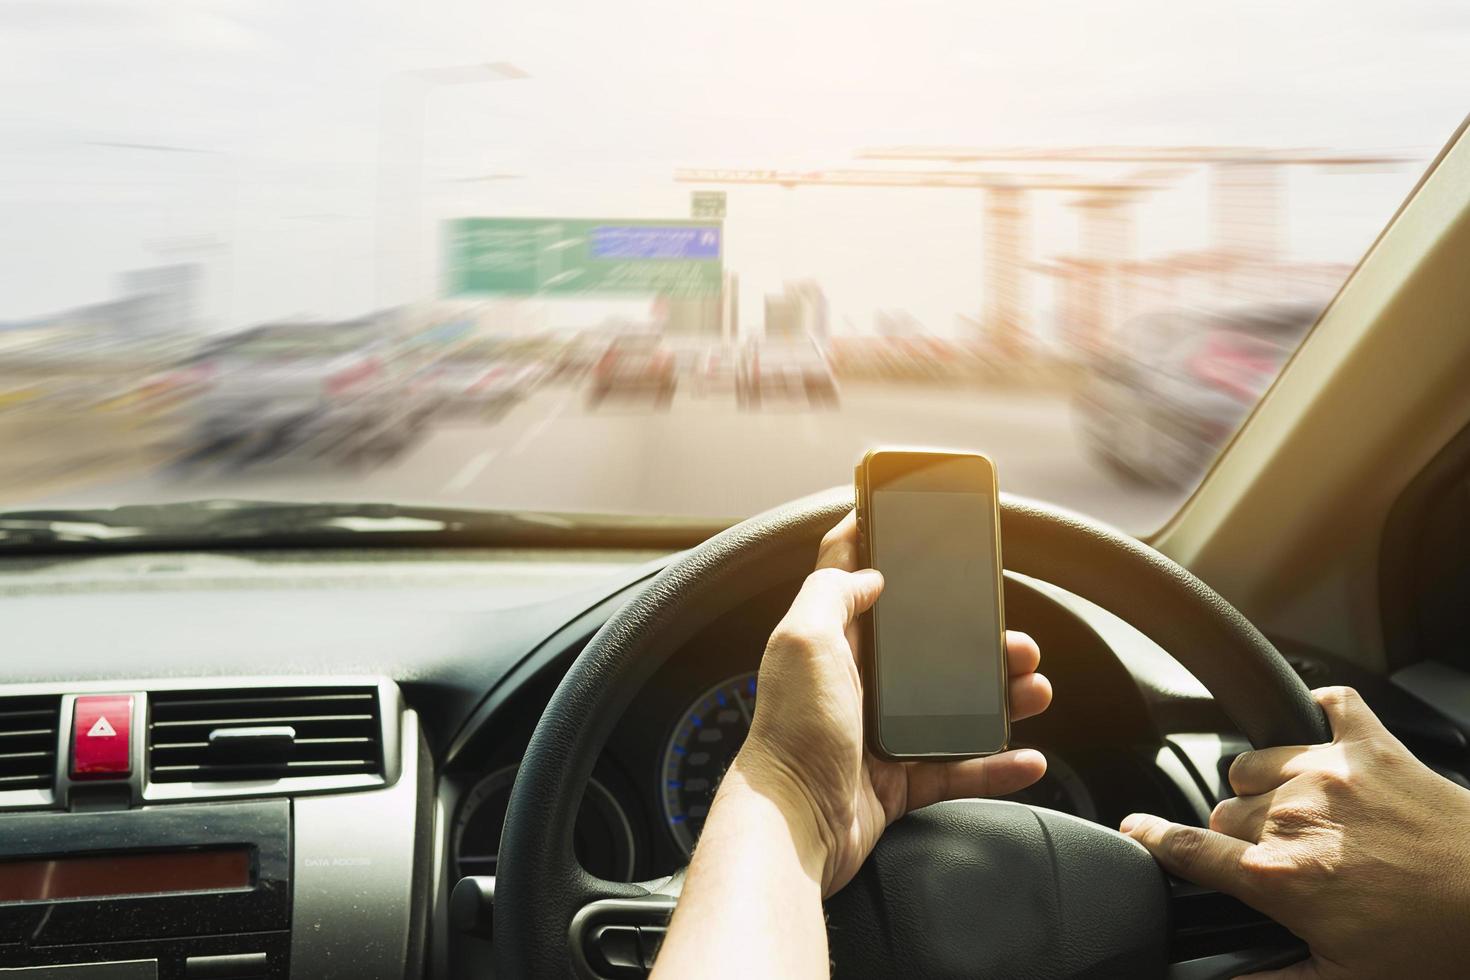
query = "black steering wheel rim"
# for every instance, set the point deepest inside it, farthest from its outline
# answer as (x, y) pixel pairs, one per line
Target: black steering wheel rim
(540, 885)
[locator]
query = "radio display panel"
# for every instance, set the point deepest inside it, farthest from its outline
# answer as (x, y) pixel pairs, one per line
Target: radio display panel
(138, 873)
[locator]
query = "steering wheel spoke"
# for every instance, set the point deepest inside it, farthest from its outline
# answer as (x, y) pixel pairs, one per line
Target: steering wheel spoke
(1215, 935)
(617, 937)
(1226, 966)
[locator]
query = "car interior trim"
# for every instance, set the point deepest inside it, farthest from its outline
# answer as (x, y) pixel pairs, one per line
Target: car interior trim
(362, 845)
(1208, 754)
(1400, 568)
(1439, 685)
(572, 634)
(1279, 554)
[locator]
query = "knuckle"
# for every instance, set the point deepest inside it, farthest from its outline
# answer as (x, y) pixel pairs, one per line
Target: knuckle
(1266, 866)
(791, 634)
(1334, 779)
(1339, 696)
(1294, 867)
(824, 577)
(1380, 752)
(1184, 847)
(1294, 818)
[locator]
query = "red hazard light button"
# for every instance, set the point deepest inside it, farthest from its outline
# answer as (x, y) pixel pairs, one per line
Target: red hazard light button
(100, 742)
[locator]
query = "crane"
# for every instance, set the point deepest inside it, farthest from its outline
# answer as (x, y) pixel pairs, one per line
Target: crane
(1007, 220)
(1247, 181)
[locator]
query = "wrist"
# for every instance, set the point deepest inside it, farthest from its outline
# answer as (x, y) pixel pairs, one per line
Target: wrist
(753, 895)
(756, 782)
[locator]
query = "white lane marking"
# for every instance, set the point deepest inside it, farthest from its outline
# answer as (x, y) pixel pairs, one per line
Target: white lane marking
(469, 471)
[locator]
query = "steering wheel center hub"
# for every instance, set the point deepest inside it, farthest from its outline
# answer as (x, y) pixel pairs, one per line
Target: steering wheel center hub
(978, 888)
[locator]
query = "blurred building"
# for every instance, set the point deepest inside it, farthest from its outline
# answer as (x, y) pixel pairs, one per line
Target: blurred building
(800, 310)
(781, 316)
(896, 323)
(1007, 244)
(700, 316)
(812, 303)
(155, 301)
(730, 310)
(160, 299)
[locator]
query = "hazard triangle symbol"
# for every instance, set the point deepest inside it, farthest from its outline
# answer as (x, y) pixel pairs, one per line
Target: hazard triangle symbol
(101, 727)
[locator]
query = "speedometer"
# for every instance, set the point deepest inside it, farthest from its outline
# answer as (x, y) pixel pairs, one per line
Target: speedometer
(714, 727)
(700, 750)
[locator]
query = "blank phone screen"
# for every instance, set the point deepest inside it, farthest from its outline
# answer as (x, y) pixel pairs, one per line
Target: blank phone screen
(936, 624)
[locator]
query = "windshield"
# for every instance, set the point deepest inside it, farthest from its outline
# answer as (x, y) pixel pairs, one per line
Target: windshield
(672, 259)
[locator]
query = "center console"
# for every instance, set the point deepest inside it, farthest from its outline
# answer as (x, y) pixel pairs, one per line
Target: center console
(212, 829)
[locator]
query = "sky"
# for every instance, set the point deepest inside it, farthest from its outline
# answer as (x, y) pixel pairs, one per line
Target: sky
(248, 136)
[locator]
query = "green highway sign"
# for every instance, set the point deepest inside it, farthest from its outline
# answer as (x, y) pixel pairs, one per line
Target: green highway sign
(580, 256)
(707, 204)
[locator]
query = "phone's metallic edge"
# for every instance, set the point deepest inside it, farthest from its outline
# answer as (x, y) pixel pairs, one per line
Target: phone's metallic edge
(868, 674)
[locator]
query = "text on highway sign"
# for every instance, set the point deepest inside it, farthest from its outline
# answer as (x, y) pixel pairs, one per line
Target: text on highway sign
(581, 256)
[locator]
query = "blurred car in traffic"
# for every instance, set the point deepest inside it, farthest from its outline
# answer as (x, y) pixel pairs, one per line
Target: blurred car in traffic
(636, 364)
(785, 372)
(313, 388)
(1157, 403)
(576, 357)
(476, 382)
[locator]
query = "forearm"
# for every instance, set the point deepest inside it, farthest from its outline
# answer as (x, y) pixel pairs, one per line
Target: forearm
(752, 903)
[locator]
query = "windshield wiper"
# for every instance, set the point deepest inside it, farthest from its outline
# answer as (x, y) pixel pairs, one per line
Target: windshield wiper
(250, 523)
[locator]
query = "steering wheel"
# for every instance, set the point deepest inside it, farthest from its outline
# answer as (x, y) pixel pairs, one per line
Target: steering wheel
(967, 888)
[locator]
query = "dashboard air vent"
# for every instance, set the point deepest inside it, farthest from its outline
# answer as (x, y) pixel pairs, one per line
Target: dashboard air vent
(28, 741)
(269, 733)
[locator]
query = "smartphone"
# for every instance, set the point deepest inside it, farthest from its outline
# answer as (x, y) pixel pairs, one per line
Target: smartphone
(935, 666)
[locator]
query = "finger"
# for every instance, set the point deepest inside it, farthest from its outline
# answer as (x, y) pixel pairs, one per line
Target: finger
(830, 599)
(1030, 695)
(1242, 817)
(1348, 713)
(839, 547)
(1022, 654)
(1200, 855)
(1263, 770)
(996, 775)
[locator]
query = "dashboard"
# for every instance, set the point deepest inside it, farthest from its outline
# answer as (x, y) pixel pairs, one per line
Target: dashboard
(652, 787)
(411, 683)
(683, 760)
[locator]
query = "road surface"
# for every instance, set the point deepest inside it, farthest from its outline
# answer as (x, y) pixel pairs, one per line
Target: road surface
(702, 457)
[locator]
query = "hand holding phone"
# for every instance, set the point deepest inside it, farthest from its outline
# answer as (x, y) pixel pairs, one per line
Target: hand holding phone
(807, 742)
(935, 671)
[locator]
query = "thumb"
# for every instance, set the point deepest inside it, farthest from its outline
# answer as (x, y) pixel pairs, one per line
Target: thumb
(1348, 713)
(1202, 856)
(835, 597)
(864, 588)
